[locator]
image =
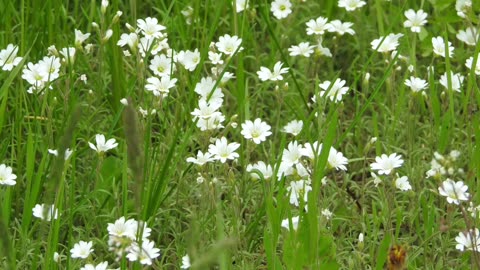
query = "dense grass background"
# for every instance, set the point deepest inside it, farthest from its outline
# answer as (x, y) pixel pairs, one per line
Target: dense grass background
(235, 222)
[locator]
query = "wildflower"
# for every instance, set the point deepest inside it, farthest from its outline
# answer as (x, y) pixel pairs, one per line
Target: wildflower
(265, 74)
(50, 65)
(318, 26)
(333, 91)
(376, 180)
(337, 160)
(122, 228)
(469, 64)
(208, 92)
(320, 50)
(161, 65)
(82, 250)
(299, 190)
(293, 222)
(340, 27)
(160, 87)
(469, 36)
(189, 59)
(215, 58)
(351, 5)
(386, 164)
(150, 28)
(8, 57)
(6, 176)
(143, 254)
(185, 262)
(439, 47)
(241, 5)
(80, 37)
(402, 183)
(257, 131)
(45, 212)
(415, 20)
(68, 55)
(293, 127)
(303, 49)
(222, 150)
(327, 213)
(264, 169)
(128, 39)
(454, 191)
(35, 75)
(386, 44)
(416, 84)
(187, 13)
(293, 153)
(228, 45)
(281, 8)
(201, 158)
(103, 146)
(455, 78)
(469, 240)
(462, 7)
(100, 266)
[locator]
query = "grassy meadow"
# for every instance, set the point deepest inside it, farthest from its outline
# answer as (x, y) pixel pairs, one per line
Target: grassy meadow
(286, 134)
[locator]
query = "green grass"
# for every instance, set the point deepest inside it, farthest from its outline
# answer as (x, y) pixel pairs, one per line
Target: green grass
(231, 221)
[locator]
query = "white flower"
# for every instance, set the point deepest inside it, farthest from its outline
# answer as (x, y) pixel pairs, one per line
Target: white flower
(386, 44)
(439, 47)
(241, 5)
(456, 80)
(416, 84)
(81, 250)
(469, 64)
(160, 87)
(294, 222)
(6, 176)
(189, 59)
(122, 228)
(293, 153)
(8, 57)
(228, 45)
(150, 28)
(340, 27)
(162, 65)
(337, 160)
(201, 158)
(333, 91)
(299, 191)
(351, 5)
(207, 91)
(68, 54)
(264, 169)
(45, 212)
(143, 254)
(222, 150)
(469, 240)
(469, 36)
(294, 127)
(376, 179)
(103, 146)
(462, 7)
(265, 74)
(386, 164)
(415, 20)
(185, 262)
(100, 266)
(281, 8)
(257, 131)
(80, 37)
(327, 214)
(303, 49)
(215, 58)
(454, 191)
(402, 183)
(318, 26)
(51, 66)
(128, 39)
